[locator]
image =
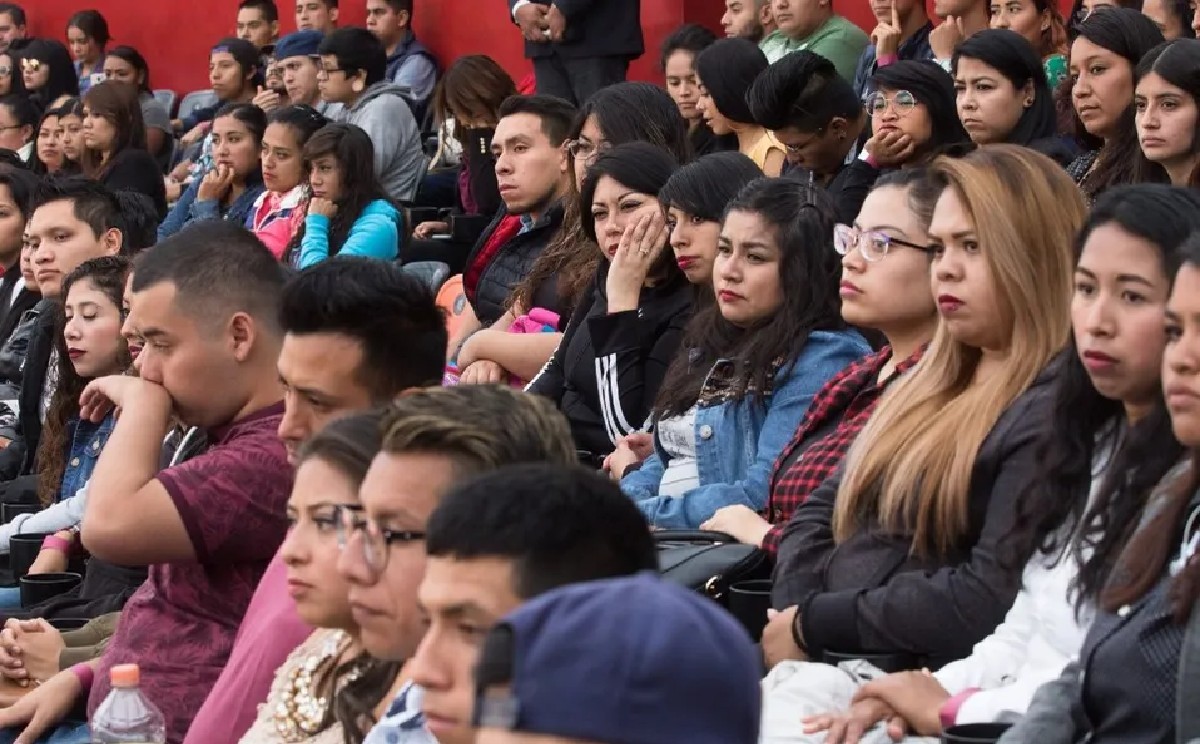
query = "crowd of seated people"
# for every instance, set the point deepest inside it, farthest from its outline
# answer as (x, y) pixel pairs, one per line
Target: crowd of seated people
(910, 327)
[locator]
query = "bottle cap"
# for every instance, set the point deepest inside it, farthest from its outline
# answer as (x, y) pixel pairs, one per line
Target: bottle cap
(124, 675)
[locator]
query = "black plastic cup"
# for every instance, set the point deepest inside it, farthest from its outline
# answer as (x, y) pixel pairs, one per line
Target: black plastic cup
(40, 587)
(749, 602)
(23, 550)
(63, 624)
(9, 512)
(887, 663)
(974, 733)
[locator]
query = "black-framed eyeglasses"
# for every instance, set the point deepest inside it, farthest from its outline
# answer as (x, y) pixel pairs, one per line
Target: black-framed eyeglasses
(871, 244)
(357, 532)
(797, 149)
(901, 101)
(328, 71)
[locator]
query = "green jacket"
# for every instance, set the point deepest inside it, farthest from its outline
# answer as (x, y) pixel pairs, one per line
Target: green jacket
(837, 40)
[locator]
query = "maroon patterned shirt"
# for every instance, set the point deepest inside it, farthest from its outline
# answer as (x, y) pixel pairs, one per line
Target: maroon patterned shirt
(180, 624)
(837, 414)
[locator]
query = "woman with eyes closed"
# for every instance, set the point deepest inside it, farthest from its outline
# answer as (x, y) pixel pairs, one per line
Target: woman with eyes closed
(750, 363)
(885, 287)
(1043, 27)
(1103, 57)
(913, 115)
(896, 556)
(329, 690)
(1166, 101)
(622, 336)
(1002, 94)
(279, 211)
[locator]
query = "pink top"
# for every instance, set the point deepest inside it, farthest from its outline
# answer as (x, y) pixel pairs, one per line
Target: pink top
(270, 632)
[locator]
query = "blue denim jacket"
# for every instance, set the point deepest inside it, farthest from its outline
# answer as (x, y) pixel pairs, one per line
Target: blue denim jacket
(737, 442)
(87, 442)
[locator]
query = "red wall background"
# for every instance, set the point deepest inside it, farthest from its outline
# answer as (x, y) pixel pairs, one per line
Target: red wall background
(175, 35)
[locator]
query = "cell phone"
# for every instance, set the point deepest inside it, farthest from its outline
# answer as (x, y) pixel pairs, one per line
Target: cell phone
(280, 91)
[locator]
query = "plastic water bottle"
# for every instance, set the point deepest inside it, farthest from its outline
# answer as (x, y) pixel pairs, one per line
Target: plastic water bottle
(127, 716)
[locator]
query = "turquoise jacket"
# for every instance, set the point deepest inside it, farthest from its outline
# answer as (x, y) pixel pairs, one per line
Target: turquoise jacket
(375, 234)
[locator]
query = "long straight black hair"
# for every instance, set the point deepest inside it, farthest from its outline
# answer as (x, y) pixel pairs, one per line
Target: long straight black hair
(1085, 422)
(801, 217)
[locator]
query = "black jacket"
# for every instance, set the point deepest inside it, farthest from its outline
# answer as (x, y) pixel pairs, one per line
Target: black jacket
(607, 369)
(509, 265)
(848, 188)
(595, 28)
(18, 457)
(870, 594)
(137, 171)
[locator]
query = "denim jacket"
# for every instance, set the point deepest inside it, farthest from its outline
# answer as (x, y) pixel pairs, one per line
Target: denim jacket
(738, 440)
(87, 442)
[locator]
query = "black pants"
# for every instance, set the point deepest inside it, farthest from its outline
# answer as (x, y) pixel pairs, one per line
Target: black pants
(576, 79)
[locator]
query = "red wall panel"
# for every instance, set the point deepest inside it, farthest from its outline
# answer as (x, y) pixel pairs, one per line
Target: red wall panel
(175, 35)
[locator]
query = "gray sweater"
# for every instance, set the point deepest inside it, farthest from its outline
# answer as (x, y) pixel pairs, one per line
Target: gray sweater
(383, 114)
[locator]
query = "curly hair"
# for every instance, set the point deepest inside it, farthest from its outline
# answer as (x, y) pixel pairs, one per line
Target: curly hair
(108, 274)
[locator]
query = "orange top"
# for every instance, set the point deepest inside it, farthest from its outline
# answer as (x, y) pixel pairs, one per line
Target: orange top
(124, 675)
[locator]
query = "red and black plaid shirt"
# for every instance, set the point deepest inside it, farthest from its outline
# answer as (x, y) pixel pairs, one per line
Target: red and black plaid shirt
(845, 403)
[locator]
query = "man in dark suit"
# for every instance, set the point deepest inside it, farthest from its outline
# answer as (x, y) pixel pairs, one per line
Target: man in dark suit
(579, 46)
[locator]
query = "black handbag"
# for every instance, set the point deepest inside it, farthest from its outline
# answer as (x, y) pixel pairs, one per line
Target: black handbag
(709, 562)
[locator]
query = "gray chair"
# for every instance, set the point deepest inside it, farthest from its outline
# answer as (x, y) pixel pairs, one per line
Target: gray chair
(432, 273)
(167, 99)
(195, 100)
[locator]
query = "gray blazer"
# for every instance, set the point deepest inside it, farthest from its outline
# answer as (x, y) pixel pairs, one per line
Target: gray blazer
(1055, 715)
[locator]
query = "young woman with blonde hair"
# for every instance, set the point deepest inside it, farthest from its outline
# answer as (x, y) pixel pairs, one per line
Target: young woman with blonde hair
(896, 557)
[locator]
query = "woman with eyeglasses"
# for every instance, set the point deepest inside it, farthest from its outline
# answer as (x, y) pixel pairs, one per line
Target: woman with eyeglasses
(329, 690)
(12, 82)
(18, 126)
(1103, 58)
(913, 115)
(884, 287)
(48, 72)
(897, 556)
(727, 69)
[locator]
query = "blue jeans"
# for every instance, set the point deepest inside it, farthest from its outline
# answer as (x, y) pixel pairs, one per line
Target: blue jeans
(71, 732)
(10, 599)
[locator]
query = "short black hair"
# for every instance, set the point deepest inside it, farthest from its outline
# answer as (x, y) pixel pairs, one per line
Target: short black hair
(14, 10)
(356, 49)
(556, 114)
(92, 201)
(391, 313)
(689, 37)
(558, 524)
(139, 221)
(401, 5)
(22, 185)
(802, 91)
(270, 12)
(218, 269)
